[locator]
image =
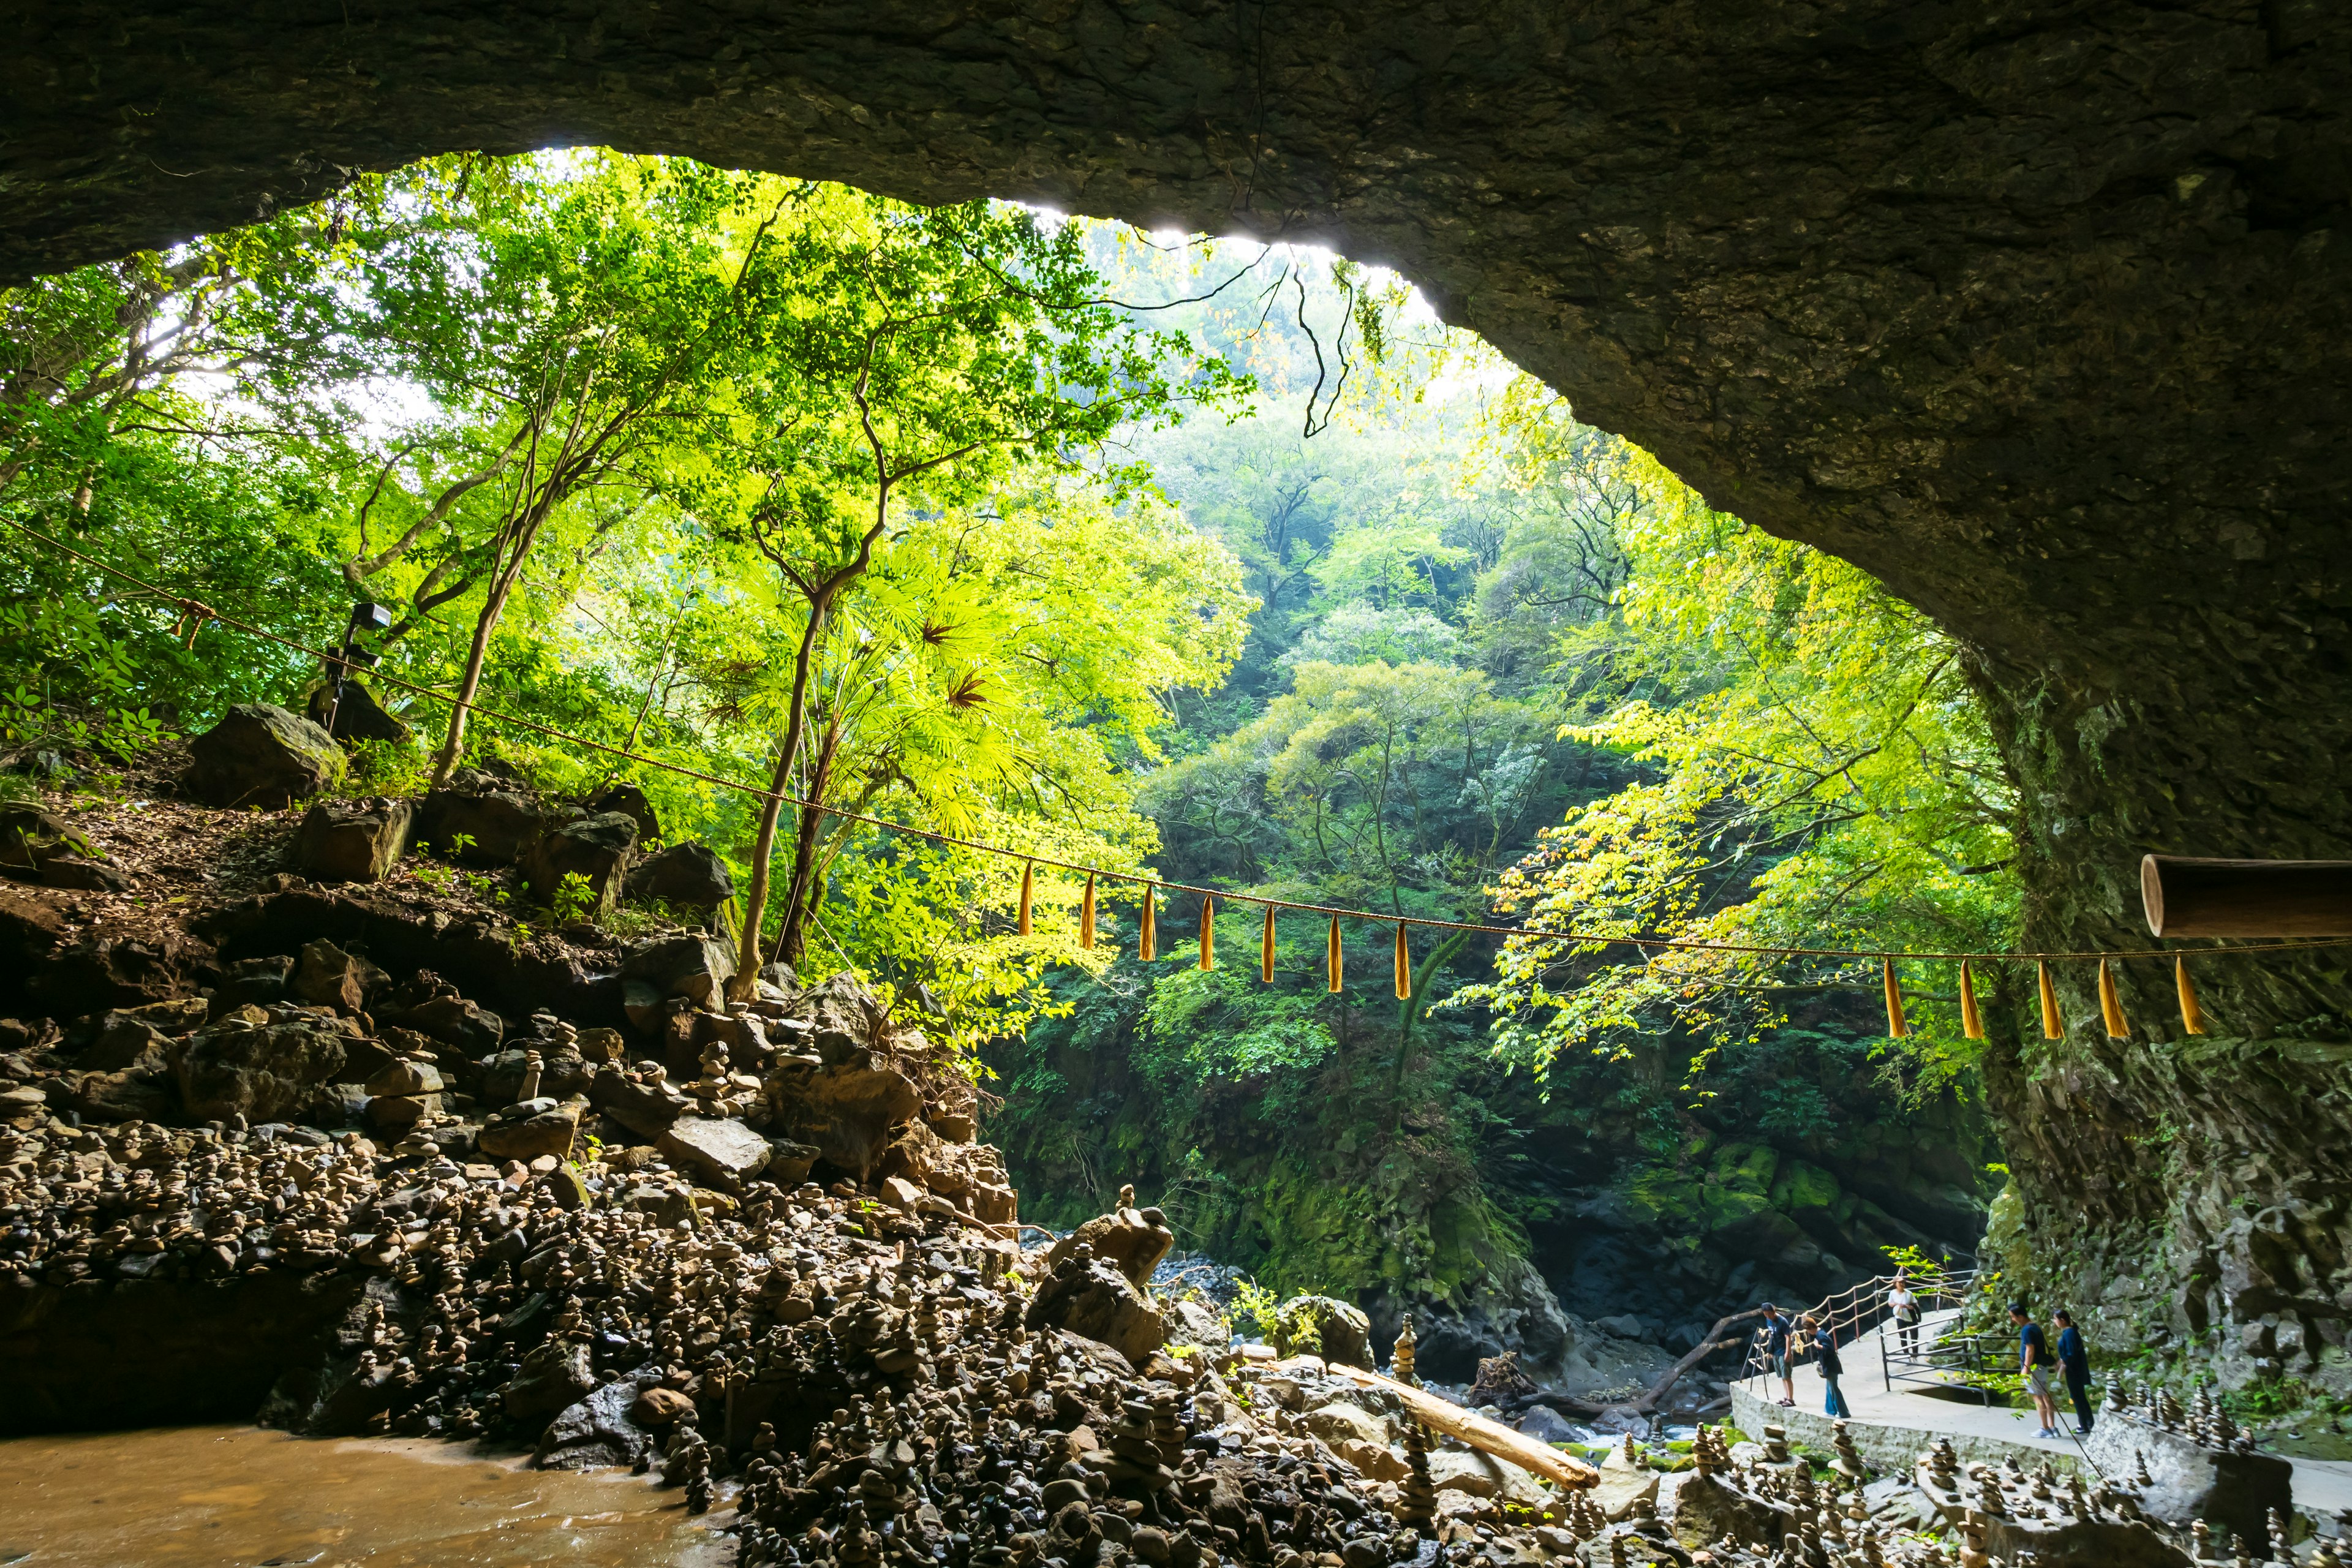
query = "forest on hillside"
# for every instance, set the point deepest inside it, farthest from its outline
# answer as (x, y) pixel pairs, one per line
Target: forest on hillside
(1205, 561)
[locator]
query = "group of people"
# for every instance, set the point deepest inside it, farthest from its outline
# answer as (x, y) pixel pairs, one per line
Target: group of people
(1788, 1341)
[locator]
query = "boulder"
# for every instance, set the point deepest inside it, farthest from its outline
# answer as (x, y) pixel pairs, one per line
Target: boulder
(596, 849)
(30, 839)
(327, 976)
(401, 1076)
(642, 1108)
(848, 1112)
(396, 1114)
(1340, 1422)
(551, 1377)
(2192, 1481)
(452, 1021)
(264, 1073)
(685, 876)
(630, 802)
(1326, 1326)
(696, 967)
(723, 1153)
(261, 755)
(257, 981)
(597, 1432)
(352, 841)
(1194, 1321)
(661, 1408)
(789, 1164)
(1097, 1301)
(1131, 1240)
(528, 1131)
(645, 1007)
(132, 1096)
(357, 715)
(71, 873)
(477, 817)
(1546, 1424)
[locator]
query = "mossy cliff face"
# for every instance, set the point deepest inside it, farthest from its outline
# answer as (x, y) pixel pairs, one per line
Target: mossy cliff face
(1500, 1217)
(2036, 312)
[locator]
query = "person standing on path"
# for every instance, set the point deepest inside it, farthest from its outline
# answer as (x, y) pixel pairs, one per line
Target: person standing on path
(1904, 1308)
(1777, 1330)
(2074, 1360)
(2033, 1360)
(1825, 1355)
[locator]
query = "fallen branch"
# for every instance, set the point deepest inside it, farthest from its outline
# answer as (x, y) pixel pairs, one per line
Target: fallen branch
(1490, 1438)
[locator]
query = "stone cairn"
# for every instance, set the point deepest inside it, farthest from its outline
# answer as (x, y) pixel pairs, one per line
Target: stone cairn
(2202, 1421)
(1400, 1355)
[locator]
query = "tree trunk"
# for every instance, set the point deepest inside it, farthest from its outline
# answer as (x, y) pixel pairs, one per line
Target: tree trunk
(445, 759)
(792, 939)
(763, 848)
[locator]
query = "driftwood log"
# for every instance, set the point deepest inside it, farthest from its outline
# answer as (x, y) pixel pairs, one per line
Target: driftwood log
(1491, 1438)
(1648, 1403)
(2186, 896)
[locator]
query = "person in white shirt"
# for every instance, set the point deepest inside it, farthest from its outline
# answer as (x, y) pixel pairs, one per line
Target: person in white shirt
(1904, 1308)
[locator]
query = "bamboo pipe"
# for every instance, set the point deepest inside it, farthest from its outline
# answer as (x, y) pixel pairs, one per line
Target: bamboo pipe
(1486, 1437)
(2188, 897)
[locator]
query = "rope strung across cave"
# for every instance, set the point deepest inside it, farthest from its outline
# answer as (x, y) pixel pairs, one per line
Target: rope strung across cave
(2110, 1006)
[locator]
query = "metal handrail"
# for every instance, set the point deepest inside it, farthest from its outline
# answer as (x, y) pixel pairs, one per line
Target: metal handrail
(1853, 1311)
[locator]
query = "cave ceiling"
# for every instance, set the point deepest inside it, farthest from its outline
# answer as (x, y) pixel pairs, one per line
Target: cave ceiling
(2038, 312)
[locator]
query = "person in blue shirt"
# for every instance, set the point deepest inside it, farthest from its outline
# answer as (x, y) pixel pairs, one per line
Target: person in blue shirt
(1777, 1330)
(2074, 1360)
(2033, 1359)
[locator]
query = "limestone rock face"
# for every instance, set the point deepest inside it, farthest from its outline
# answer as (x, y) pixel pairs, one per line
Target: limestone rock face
(262, 1074)
(594, 848)
(340, 841)
(261, 755)
(685, 876)
(1871, 326)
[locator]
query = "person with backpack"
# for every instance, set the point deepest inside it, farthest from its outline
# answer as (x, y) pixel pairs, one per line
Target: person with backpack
(1777, 1330)
(2033, 1359)
(2074, 1360)
(1825, 1356)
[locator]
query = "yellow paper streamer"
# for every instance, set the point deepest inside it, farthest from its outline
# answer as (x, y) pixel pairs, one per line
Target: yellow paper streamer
(1028, 884)
(1403, 966)
(1087, 914)
(1265, 949)
(1148, 945)
(1971, 1019)
(1894, 1030)
(1331, 954)
(2192, 1017)
(2111, 1006)
(1208, 934)
(2053, 1027)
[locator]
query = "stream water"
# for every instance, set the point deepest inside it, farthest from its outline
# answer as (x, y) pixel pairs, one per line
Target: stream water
(209, 1497)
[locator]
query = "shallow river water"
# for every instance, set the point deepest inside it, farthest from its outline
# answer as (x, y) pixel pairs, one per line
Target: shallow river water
(207, 1496)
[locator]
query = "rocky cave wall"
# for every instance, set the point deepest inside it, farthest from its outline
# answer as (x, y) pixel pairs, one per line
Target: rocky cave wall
(2036, 311)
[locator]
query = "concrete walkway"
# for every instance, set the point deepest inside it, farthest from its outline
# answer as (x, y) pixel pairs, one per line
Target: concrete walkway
(1890, 1426)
